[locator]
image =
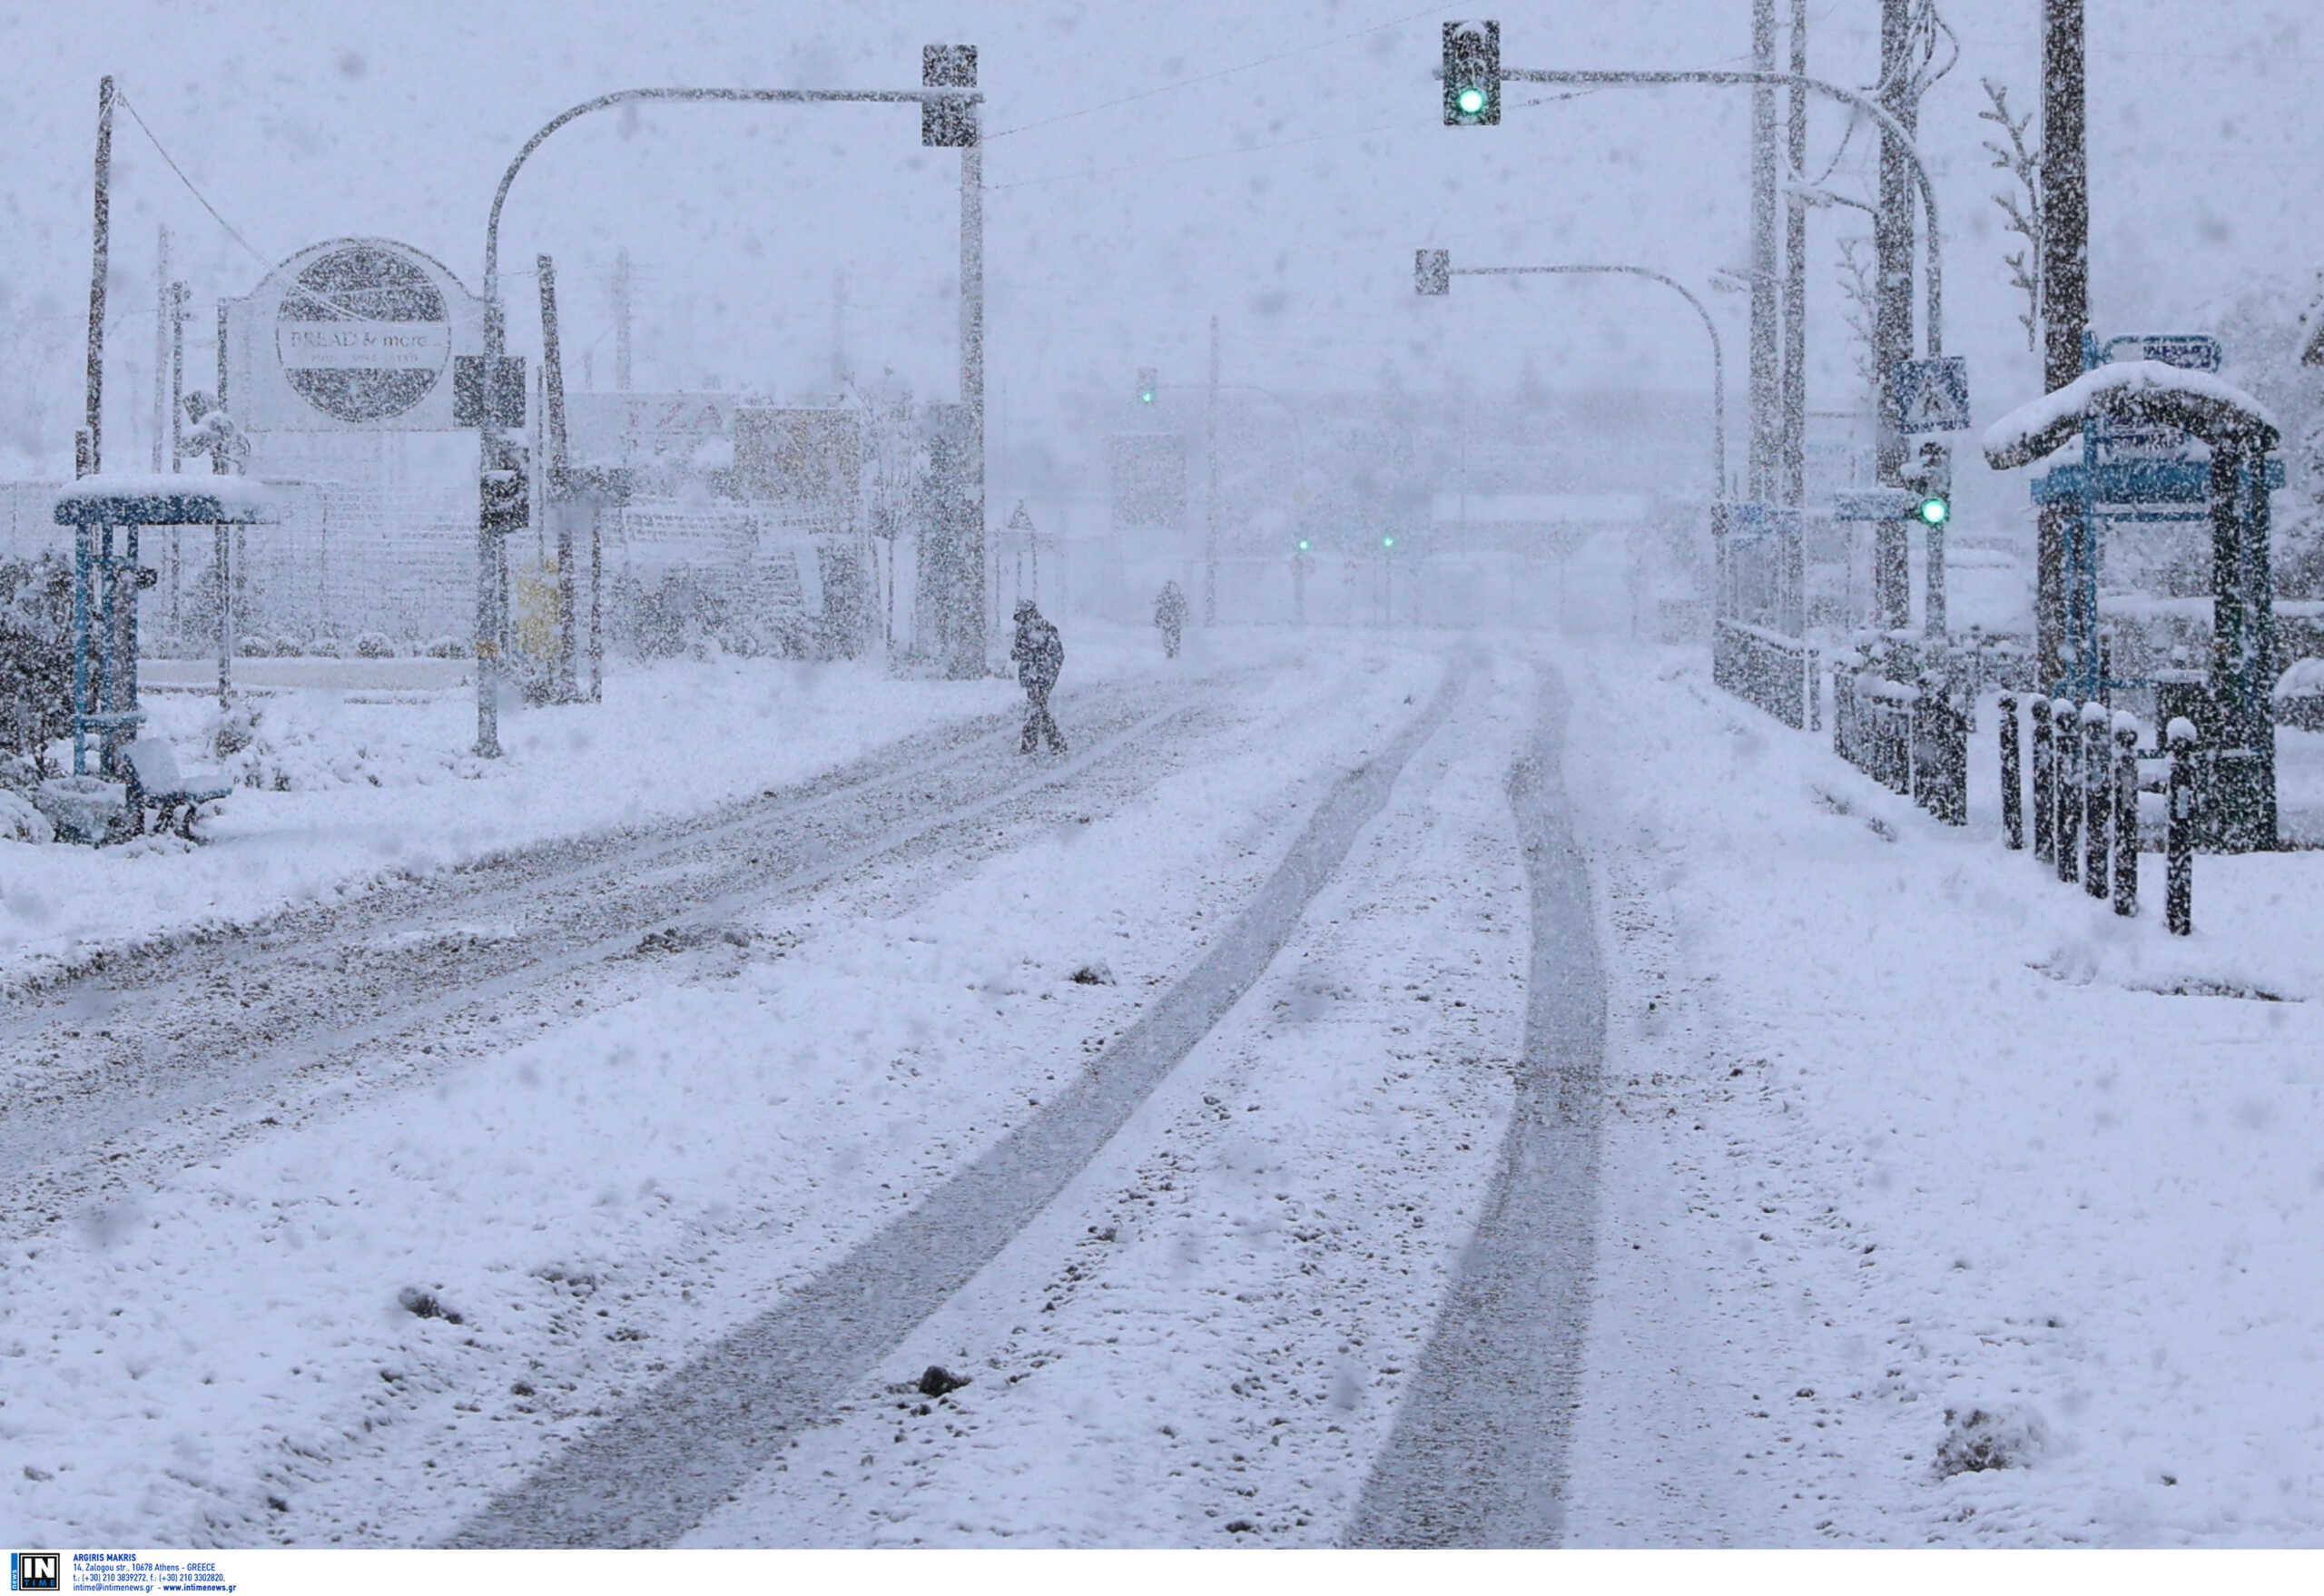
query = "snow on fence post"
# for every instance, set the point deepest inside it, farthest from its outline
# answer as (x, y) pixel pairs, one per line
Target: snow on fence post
(2012, 815)
(2178, 908)
(2067, 751)
(2126, 814)
(2097, 795)
(2045, 779)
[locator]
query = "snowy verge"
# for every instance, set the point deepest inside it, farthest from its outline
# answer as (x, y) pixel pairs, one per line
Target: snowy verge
(1942, 1206)
(337, 790)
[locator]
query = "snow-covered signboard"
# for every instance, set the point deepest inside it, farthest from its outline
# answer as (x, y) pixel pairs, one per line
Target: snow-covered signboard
(1932, 395)
(353, 335)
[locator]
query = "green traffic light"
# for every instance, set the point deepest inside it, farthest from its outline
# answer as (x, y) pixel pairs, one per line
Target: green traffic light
(1303, 546)
(1934, 510)
(1470, 100)
(1387, 543)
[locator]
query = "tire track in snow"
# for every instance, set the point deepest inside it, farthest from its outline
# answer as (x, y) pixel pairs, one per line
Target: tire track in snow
(649, 1474)
(1479, 1456)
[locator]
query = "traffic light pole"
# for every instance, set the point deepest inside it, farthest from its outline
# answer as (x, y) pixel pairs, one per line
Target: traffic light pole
(493, 452)
(1933, 332)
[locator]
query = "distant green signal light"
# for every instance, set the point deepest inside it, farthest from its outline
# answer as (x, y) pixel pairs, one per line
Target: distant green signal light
(1934, 510)
(1470, 100)
(1387, 543)
(1303, 546)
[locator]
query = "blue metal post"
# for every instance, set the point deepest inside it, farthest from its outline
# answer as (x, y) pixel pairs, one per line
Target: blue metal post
(82, 535)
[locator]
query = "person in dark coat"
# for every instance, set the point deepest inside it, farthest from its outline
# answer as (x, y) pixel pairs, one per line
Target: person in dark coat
(1171, 616)
(1039, 653)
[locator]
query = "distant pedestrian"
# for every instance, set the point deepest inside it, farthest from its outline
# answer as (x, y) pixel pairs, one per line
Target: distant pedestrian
(1039, 653)
(1171, 616)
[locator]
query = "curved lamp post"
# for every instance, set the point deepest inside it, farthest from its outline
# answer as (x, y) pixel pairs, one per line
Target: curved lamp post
(1434, 272)
(497, 467)
(1933, 331)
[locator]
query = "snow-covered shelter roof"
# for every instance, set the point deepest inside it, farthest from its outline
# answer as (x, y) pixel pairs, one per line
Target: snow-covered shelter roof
(165, 499)
(2128, 391)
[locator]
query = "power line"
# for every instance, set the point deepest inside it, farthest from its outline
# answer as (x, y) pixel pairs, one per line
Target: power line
(231, 231)
(1210, 77)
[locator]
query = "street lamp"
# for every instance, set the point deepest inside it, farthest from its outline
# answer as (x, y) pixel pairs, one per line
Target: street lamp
(1433, 277)
(947, 117)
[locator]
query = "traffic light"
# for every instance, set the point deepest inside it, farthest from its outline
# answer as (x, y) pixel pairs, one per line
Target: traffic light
(1432, 272)
(504, 490)
(1471, 75)
(1933, 475)
(1147, 385)
(1303, 546)
(948, 123)
(1387, 543)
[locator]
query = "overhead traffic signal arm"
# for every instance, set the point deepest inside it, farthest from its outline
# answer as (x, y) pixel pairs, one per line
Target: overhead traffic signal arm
(1472, 73)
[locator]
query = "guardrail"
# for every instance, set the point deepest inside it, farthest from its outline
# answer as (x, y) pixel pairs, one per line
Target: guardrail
(1770, 669)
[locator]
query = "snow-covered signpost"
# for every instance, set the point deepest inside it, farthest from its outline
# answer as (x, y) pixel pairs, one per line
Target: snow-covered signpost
(948, 118)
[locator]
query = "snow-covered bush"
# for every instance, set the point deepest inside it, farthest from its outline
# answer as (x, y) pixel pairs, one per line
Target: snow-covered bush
(323, 647)
(375, 646)
(2299, 696)
(21, 822)
(447, 648)
(287, 647)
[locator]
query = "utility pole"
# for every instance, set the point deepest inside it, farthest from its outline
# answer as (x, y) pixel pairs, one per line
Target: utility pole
(162, 351)
(1210, 487)
(1793, 431)
(955, 66)
(1765, 312)
(556, 489)
(621, 322)
(2065, 297)
(90, 459)
(1892, 322)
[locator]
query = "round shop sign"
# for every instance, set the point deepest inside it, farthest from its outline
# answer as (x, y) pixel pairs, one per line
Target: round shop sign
(363, 332)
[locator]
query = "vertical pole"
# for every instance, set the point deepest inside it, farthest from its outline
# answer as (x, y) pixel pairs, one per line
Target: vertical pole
(83, 536)
(621, 321)
(2097, 795)
(2178, 840)
(968, 644)
(1210, 487)
(220, 541)
(1891, 337)
(596, 607)
(162, 351)
(177, 439)
(2013, 798)
(487, 544)
(2065, 738)
(2126, 817)
(1766, 312)
(555, 496)
(2066, 293)
(100, 242)
(1793, 431)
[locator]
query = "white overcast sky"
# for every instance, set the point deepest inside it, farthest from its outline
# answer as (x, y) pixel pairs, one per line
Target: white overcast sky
(1285, 197)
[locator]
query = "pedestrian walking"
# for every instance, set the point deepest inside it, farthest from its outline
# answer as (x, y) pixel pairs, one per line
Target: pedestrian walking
(1039, 653)
(1171, 616)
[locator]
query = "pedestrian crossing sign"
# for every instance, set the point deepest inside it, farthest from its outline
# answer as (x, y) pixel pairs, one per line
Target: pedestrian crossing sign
(1932, 395)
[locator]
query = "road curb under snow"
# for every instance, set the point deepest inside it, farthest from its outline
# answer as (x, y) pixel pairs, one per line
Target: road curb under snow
(647, 1475)
(1478, 1455)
